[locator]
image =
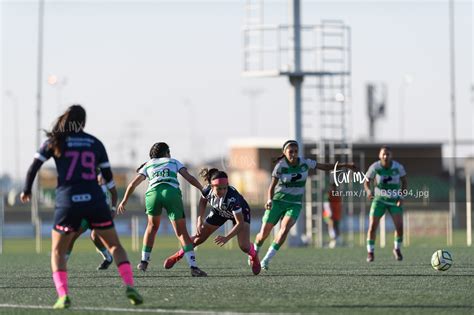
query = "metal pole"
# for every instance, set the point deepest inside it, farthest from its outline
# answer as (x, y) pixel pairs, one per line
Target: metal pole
(382, 232)
(407, 228)
(362, 239)
(135, 233)
(38, 235)
(39, 87)
(296, 80)
(2, 218)
(468, 205)
(452, 164)
(309, 210)
(371, 110)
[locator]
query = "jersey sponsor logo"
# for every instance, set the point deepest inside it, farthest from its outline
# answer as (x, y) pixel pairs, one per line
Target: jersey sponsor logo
(81, 198)
(295, 177)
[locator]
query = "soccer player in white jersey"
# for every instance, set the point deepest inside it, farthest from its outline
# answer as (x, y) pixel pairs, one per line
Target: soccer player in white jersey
(390, 183)
(163, 192)
(285, 196)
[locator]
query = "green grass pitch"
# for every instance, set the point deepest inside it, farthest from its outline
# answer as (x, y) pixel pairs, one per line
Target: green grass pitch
(300, 280)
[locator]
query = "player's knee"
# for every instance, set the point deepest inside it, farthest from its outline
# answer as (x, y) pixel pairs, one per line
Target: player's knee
(116, 249)
(153, 227)
(285, 230)
(56, 253)
(198, 240)
(244, 247)
(372, 228)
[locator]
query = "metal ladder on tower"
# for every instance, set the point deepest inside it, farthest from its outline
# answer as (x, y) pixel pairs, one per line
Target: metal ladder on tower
(332, 92)
(254, 36)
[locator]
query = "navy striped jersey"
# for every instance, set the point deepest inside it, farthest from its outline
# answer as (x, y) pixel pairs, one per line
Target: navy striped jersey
(231, 203)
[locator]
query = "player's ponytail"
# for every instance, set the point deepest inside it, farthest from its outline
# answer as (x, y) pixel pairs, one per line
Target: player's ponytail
(276, 160)
(72, 121)
(206, 174)
(140, 167)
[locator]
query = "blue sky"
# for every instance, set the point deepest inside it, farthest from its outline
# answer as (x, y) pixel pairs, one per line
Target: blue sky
(171, 71)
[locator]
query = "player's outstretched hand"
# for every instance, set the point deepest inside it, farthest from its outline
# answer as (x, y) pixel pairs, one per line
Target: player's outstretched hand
(25, 197)
(121, 208)
(220, 240)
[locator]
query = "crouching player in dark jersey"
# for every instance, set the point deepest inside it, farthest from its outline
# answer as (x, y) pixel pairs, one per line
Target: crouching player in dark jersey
(227, 204)
(78, 196)
(100, 247)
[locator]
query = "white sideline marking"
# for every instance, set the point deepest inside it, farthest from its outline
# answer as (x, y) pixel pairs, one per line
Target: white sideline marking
(131, 310)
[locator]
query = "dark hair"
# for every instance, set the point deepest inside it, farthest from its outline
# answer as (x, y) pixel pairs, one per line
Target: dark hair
(218, 174)
(386, 147)
(72, 121)
(157, 150)
(207, 173)
(287, 143)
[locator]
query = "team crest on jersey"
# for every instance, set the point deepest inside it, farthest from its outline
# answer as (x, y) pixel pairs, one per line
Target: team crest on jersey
(304, 167)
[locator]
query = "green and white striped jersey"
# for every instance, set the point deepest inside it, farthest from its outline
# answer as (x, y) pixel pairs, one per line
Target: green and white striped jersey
(291, 179)
(387, 180)
(161, 171)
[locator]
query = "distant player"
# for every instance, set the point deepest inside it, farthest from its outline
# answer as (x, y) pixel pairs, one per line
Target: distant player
(285, 196)
(332, 215)
(227, 204)
(163, 192)
(78, 196)
(100, 247)
(390, 182)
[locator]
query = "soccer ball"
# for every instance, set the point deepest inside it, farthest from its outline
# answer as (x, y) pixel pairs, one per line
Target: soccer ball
(441, 260)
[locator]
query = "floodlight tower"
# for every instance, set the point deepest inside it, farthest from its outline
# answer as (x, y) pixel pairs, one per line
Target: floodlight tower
(326, 73)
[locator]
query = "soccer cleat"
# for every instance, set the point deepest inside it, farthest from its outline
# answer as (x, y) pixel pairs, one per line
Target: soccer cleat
(62, 303)
(196, 272)
(264, 264)
(370, 257)
(170, 261)
(398, 254)
(248, 259)
(105, 264)
(133, 295)
(332, 244)
(255, 264)
(143, 265)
